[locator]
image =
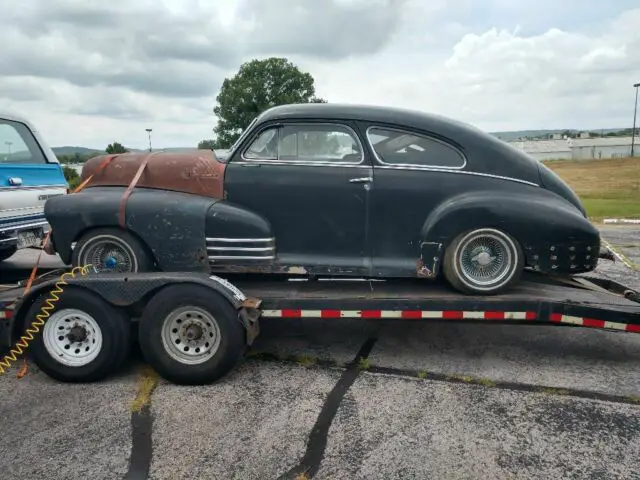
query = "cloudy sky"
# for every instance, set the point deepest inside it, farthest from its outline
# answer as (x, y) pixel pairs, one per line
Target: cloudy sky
(89, 72)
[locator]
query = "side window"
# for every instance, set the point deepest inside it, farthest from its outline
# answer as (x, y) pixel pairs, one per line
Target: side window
(306, 143)
(396, 147)
(265, 147)
(17, 144)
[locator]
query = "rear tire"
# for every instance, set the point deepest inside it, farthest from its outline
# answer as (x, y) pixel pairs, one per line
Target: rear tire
(112, 250)
(83, 340)
(191, 335)
(484, 261)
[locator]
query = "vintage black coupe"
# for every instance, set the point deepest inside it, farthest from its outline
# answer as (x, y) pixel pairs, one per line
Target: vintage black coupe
(332, 190)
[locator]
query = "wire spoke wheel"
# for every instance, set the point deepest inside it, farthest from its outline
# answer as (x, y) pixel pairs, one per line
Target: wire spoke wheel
(108, 253)
(190, 335)
(72, 337)
(483, 261)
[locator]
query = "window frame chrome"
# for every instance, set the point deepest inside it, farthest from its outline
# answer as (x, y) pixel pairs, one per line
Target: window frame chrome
(412, 165)
(279, 124)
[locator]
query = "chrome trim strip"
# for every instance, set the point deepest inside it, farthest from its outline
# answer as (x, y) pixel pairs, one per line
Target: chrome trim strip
(23, 226)
(303, 164)
(32, 187)
(278, 124)
(241, 257)
(442, 170)
(242, 249)
(8, 239)
(238, 240)
(430, 137)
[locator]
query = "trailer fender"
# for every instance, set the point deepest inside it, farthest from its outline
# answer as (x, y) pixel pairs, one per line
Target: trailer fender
(128, 291)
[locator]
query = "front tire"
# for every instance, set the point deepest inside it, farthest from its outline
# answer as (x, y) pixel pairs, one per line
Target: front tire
(83, 340)
(483, 261)
(112, 250)
(191, 335)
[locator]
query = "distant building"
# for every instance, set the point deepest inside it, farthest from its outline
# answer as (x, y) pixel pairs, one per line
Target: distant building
(605, 147)
(578, 148)
(544, 149)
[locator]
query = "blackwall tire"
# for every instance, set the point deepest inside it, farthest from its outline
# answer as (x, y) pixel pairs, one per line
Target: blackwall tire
(112, 249)
(484, 261)
(191, 335)
(84, 339)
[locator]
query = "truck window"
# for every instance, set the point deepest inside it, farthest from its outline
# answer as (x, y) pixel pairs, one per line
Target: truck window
(17, 144)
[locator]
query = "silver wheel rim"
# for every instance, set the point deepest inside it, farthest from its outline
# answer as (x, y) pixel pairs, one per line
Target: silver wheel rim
(72, 337)
(108, 253)
(190, 335)
(486, 259)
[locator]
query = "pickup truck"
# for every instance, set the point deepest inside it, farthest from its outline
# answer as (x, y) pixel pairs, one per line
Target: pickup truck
(30, 174)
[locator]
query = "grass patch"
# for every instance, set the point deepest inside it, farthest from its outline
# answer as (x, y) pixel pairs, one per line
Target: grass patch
(364, 363)
(609, 188)
(147, 383)
(422, 374)
(305, 361)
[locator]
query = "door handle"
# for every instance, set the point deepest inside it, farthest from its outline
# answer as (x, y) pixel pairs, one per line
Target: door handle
(252, 165)
(15, 181)
(361, 180)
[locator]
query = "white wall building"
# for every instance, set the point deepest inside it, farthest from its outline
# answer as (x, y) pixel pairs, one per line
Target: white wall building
(606, 147)
(544, 149)
(578, 148)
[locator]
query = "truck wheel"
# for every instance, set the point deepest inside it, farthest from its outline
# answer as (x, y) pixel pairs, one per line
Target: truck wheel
(484, 261)
(83, 340)
(112, 250)
(191, 335)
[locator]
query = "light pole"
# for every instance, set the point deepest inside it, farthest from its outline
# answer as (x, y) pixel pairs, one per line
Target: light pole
(149, 130)
(635, 111)
(8, 144)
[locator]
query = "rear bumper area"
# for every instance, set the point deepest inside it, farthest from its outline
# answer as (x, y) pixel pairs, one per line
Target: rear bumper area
(565, 258)
(9, 230)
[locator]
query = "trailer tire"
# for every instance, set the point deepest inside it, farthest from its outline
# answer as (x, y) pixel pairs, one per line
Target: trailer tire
(7, 253)
(103, 335)
(471, 277)
(191, 335)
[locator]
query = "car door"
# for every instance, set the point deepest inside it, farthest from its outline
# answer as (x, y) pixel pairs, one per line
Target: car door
(310, 180)
(413, 174)
(27, 180)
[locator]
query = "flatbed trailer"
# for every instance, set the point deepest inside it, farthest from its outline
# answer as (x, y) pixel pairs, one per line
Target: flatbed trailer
(176, 314)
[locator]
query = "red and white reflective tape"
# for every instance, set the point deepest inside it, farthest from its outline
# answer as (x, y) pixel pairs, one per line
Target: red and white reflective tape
(405, 314)
(6, 314)
(593, 323)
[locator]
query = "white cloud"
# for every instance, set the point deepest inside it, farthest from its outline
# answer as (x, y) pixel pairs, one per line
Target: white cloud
(89, 73)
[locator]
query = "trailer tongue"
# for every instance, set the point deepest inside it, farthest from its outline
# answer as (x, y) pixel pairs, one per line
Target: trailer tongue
(193, 328)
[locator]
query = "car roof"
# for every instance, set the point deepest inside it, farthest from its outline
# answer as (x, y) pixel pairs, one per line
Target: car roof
(13, 116)
(371, 113)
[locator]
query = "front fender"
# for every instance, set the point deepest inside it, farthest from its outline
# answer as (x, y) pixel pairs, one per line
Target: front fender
(171, 224)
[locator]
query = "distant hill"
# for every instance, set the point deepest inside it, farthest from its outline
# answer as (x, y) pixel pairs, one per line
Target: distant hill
(73, 150)
(515, 135)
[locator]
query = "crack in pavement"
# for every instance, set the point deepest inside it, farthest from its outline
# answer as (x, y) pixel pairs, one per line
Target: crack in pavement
(317, 442)
(142, 427)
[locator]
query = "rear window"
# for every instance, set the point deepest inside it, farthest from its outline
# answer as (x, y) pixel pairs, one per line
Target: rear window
(17, 144)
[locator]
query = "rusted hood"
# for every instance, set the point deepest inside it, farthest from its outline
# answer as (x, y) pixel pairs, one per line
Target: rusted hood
(197, 172)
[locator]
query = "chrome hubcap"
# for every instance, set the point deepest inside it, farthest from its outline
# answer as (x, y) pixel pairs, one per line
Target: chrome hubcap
(486, 259)
(108, 253)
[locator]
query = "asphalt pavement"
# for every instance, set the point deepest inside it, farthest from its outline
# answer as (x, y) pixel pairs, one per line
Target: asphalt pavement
(352, 399)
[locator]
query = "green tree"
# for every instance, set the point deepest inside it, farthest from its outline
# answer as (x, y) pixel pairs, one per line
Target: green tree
(116, 147)
(207, 145)
(259, 85)
(71, 175)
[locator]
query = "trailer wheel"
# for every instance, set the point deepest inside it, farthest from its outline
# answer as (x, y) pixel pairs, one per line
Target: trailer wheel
(6, 253)
(113, 250)
(484, 261)
(83, 340)
(191, 335)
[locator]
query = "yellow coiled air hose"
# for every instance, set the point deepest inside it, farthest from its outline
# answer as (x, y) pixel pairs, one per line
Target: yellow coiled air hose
(21, 346)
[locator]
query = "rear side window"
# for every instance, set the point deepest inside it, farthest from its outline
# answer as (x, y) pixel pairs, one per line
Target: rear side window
(398, 147)
(17, 144)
